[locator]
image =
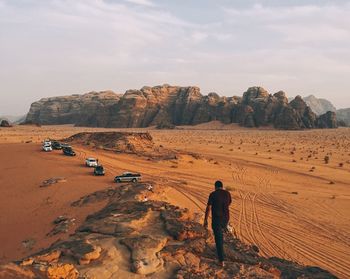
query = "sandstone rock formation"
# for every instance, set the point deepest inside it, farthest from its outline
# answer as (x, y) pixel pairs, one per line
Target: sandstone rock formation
(90, 109)
(174, 105)
(344, 116)
(152, 238)
(326, 120)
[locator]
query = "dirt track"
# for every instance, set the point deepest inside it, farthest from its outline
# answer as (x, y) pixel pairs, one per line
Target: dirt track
(280, 205)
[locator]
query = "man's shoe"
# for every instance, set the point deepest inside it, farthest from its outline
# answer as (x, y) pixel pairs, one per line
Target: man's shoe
(222, 264)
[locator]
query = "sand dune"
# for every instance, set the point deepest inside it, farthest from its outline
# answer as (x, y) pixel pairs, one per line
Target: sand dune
(287, 201)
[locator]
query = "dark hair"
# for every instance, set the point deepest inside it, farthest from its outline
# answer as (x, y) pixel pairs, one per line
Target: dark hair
(218, 184)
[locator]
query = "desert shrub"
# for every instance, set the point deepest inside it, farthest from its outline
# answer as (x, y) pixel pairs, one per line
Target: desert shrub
(326, 159)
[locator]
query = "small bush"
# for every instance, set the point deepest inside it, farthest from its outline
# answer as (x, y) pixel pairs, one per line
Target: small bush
(326, 159)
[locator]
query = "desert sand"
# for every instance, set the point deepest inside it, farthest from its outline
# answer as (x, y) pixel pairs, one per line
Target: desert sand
(286, 199)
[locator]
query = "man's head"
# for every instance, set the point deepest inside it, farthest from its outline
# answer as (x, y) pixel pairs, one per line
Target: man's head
(218, 185)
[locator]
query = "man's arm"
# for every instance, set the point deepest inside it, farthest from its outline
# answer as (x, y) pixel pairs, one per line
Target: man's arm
(207, 212)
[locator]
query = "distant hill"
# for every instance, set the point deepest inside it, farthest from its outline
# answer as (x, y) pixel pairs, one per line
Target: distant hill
(175, 105)
(15, 119)
(319, 106)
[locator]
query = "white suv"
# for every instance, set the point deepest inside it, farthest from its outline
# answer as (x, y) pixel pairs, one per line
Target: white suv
(47, 147)
(91, 162)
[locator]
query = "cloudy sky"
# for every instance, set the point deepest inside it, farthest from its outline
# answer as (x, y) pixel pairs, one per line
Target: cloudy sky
(60, 47)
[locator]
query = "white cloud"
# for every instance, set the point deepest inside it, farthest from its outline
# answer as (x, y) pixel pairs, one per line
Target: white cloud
(198, 36)
(142, 2)
(58, 47)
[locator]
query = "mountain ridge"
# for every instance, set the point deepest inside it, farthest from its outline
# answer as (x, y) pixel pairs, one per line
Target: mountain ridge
(152, 106)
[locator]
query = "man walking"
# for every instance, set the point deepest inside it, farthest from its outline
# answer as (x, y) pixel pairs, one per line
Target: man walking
(218, 202)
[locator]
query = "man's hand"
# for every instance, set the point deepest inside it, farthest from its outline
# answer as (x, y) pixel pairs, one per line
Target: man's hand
(207, 210)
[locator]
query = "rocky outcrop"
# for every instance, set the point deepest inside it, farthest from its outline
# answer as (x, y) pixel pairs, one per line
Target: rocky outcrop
(318, 105)
(344, 116)
(5, 123)
(174, 105)
(14, 119)
(152, 238)
(123, 142)
(327, 120)
(91, 109)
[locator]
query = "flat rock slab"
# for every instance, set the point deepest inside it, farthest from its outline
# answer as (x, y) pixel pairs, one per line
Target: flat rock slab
(53, 180)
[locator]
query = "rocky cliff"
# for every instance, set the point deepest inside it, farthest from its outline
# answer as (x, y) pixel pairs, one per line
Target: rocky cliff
(90, 109)
(176, 105)
(343, 115)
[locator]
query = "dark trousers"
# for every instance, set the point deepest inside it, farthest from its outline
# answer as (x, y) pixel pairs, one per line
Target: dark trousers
(218, 228)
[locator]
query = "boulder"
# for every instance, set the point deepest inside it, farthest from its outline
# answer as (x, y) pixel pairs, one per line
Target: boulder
(145, 253)
(61, 270)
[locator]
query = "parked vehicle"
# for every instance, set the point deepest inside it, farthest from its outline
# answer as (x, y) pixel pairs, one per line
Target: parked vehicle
(99, 170)
(91, 162)
(56, 145)
(47, 141)
(64, 145)
(127, 177)
(47, 147)
(68, 151)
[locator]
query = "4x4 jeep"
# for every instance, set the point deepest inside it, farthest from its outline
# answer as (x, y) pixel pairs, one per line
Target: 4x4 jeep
(128, 177)
(68, 151)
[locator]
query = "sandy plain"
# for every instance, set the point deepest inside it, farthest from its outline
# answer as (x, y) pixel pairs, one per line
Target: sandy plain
(286, 199)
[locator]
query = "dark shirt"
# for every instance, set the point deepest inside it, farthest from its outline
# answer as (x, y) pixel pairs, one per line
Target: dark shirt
(220, 201)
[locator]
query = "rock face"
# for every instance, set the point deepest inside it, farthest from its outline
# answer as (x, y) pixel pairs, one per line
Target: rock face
(327, 120)
(90, 109)
(5, 123)
(152, 238)
(344, 116)
(174, 105)
(319, 106)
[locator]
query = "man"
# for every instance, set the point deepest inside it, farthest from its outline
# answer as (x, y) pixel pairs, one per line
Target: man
(218, 202)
